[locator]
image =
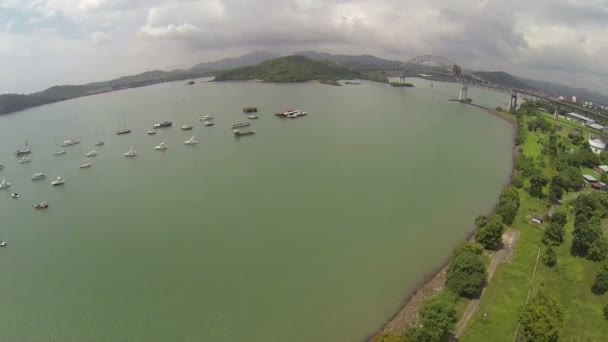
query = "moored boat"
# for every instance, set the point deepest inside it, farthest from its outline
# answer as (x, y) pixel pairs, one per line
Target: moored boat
(4, 184)
(91, 154)
(41, 205)
(151, 132)
(187, 127)
(162, 146)
(240, 124)
(123, 131)
(24, 160)
(85, 165)
(100, 143)
(238, 133)
(70, 142)
(131, 152)
(191, 141)
(15, 195)
(207, 117)
(252, 116)
(23, 152)
(163, 124)
(38, 176)
(2, 243)
(58, 181)
(59, 152)
(208, 123)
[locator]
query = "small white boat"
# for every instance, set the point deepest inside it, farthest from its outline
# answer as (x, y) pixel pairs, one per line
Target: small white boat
(15, 195)
(302, 113)
(91, 154)
(100, 143)
(131, 152)
(2, 243)
(207, 117)
(58, 181)
(208, 123)
(161, 146)
(191, 141)
(187, 127)
(70, 142)
(84, 165)
(4, 184)
(151, 132)
(59, 152)
(252, 116)
(38, 176)
(24, 160)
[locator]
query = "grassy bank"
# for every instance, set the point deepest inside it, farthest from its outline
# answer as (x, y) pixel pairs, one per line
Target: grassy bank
(529, 297)
(570, 281)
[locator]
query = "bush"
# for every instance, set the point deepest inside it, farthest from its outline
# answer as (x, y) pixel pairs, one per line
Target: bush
(490, 235)
(549, 258)
(466, 275)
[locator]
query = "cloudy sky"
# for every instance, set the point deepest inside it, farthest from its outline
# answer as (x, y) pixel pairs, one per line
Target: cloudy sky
(47, 42)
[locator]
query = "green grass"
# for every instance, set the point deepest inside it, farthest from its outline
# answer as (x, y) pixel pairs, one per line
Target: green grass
(570, 279)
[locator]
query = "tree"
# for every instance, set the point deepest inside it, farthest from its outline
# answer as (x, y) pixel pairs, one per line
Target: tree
(587, 157)
(549, 258)
(490, 235)
(541, 319)
(517, 181)
(554, 234)
(466, 275)
(573, 178)
(437, 317)
(600, 285)
(560, 218)
(481, 221)
(469, 247)
(552, 145)
(508, 204)
(598, 250)
(556, 189)
(537, 182)
(585, 235)
(604, 177)
(606, 311)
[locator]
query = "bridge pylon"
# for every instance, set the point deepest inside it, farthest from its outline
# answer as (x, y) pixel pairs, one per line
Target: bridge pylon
(513, 104)
(463, 92)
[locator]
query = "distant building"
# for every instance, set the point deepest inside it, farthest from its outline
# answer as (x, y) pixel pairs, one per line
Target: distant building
(579, 118)
(573, 99)
(561, 98)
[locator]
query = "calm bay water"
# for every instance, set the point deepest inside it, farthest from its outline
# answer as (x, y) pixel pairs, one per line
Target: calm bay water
(314, 229)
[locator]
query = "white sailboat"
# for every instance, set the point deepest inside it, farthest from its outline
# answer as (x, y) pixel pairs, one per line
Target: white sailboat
(191, 141)
(131, 152)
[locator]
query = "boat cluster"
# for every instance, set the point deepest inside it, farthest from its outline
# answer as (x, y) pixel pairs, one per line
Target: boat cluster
(291, 114)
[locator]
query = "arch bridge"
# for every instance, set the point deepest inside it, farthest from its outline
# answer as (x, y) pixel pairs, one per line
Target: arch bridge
(447, 67)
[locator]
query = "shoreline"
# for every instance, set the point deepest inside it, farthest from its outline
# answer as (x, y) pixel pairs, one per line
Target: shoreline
(432, 283)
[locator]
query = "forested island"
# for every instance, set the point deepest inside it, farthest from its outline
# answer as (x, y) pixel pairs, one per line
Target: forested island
(291, 69)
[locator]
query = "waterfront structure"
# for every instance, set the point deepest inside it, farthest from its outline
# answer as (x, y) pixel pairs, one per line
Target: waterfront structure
(579, 118)
(596, 126)
(597, 143)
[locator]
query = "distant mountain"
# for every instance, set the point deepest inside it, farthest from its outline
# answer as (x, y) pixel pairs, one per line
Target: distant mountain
(350, 61)
(237, 62)
(14, 102)
(505, 79)
(293, 68)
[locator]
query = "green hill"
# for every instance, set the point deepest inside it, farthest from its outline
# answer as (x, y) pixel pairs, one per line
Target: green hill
(503, 78)
(290, 69)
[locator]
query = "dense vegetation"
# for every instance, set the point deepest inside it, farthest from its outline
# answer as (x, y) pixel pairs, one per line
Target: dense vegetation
(542, 318)
(466, 275)
(290, 69)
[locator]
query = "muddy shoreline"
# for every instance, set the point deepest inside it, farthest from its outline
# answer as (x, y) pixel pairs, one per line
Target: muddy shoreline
(432, 283)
